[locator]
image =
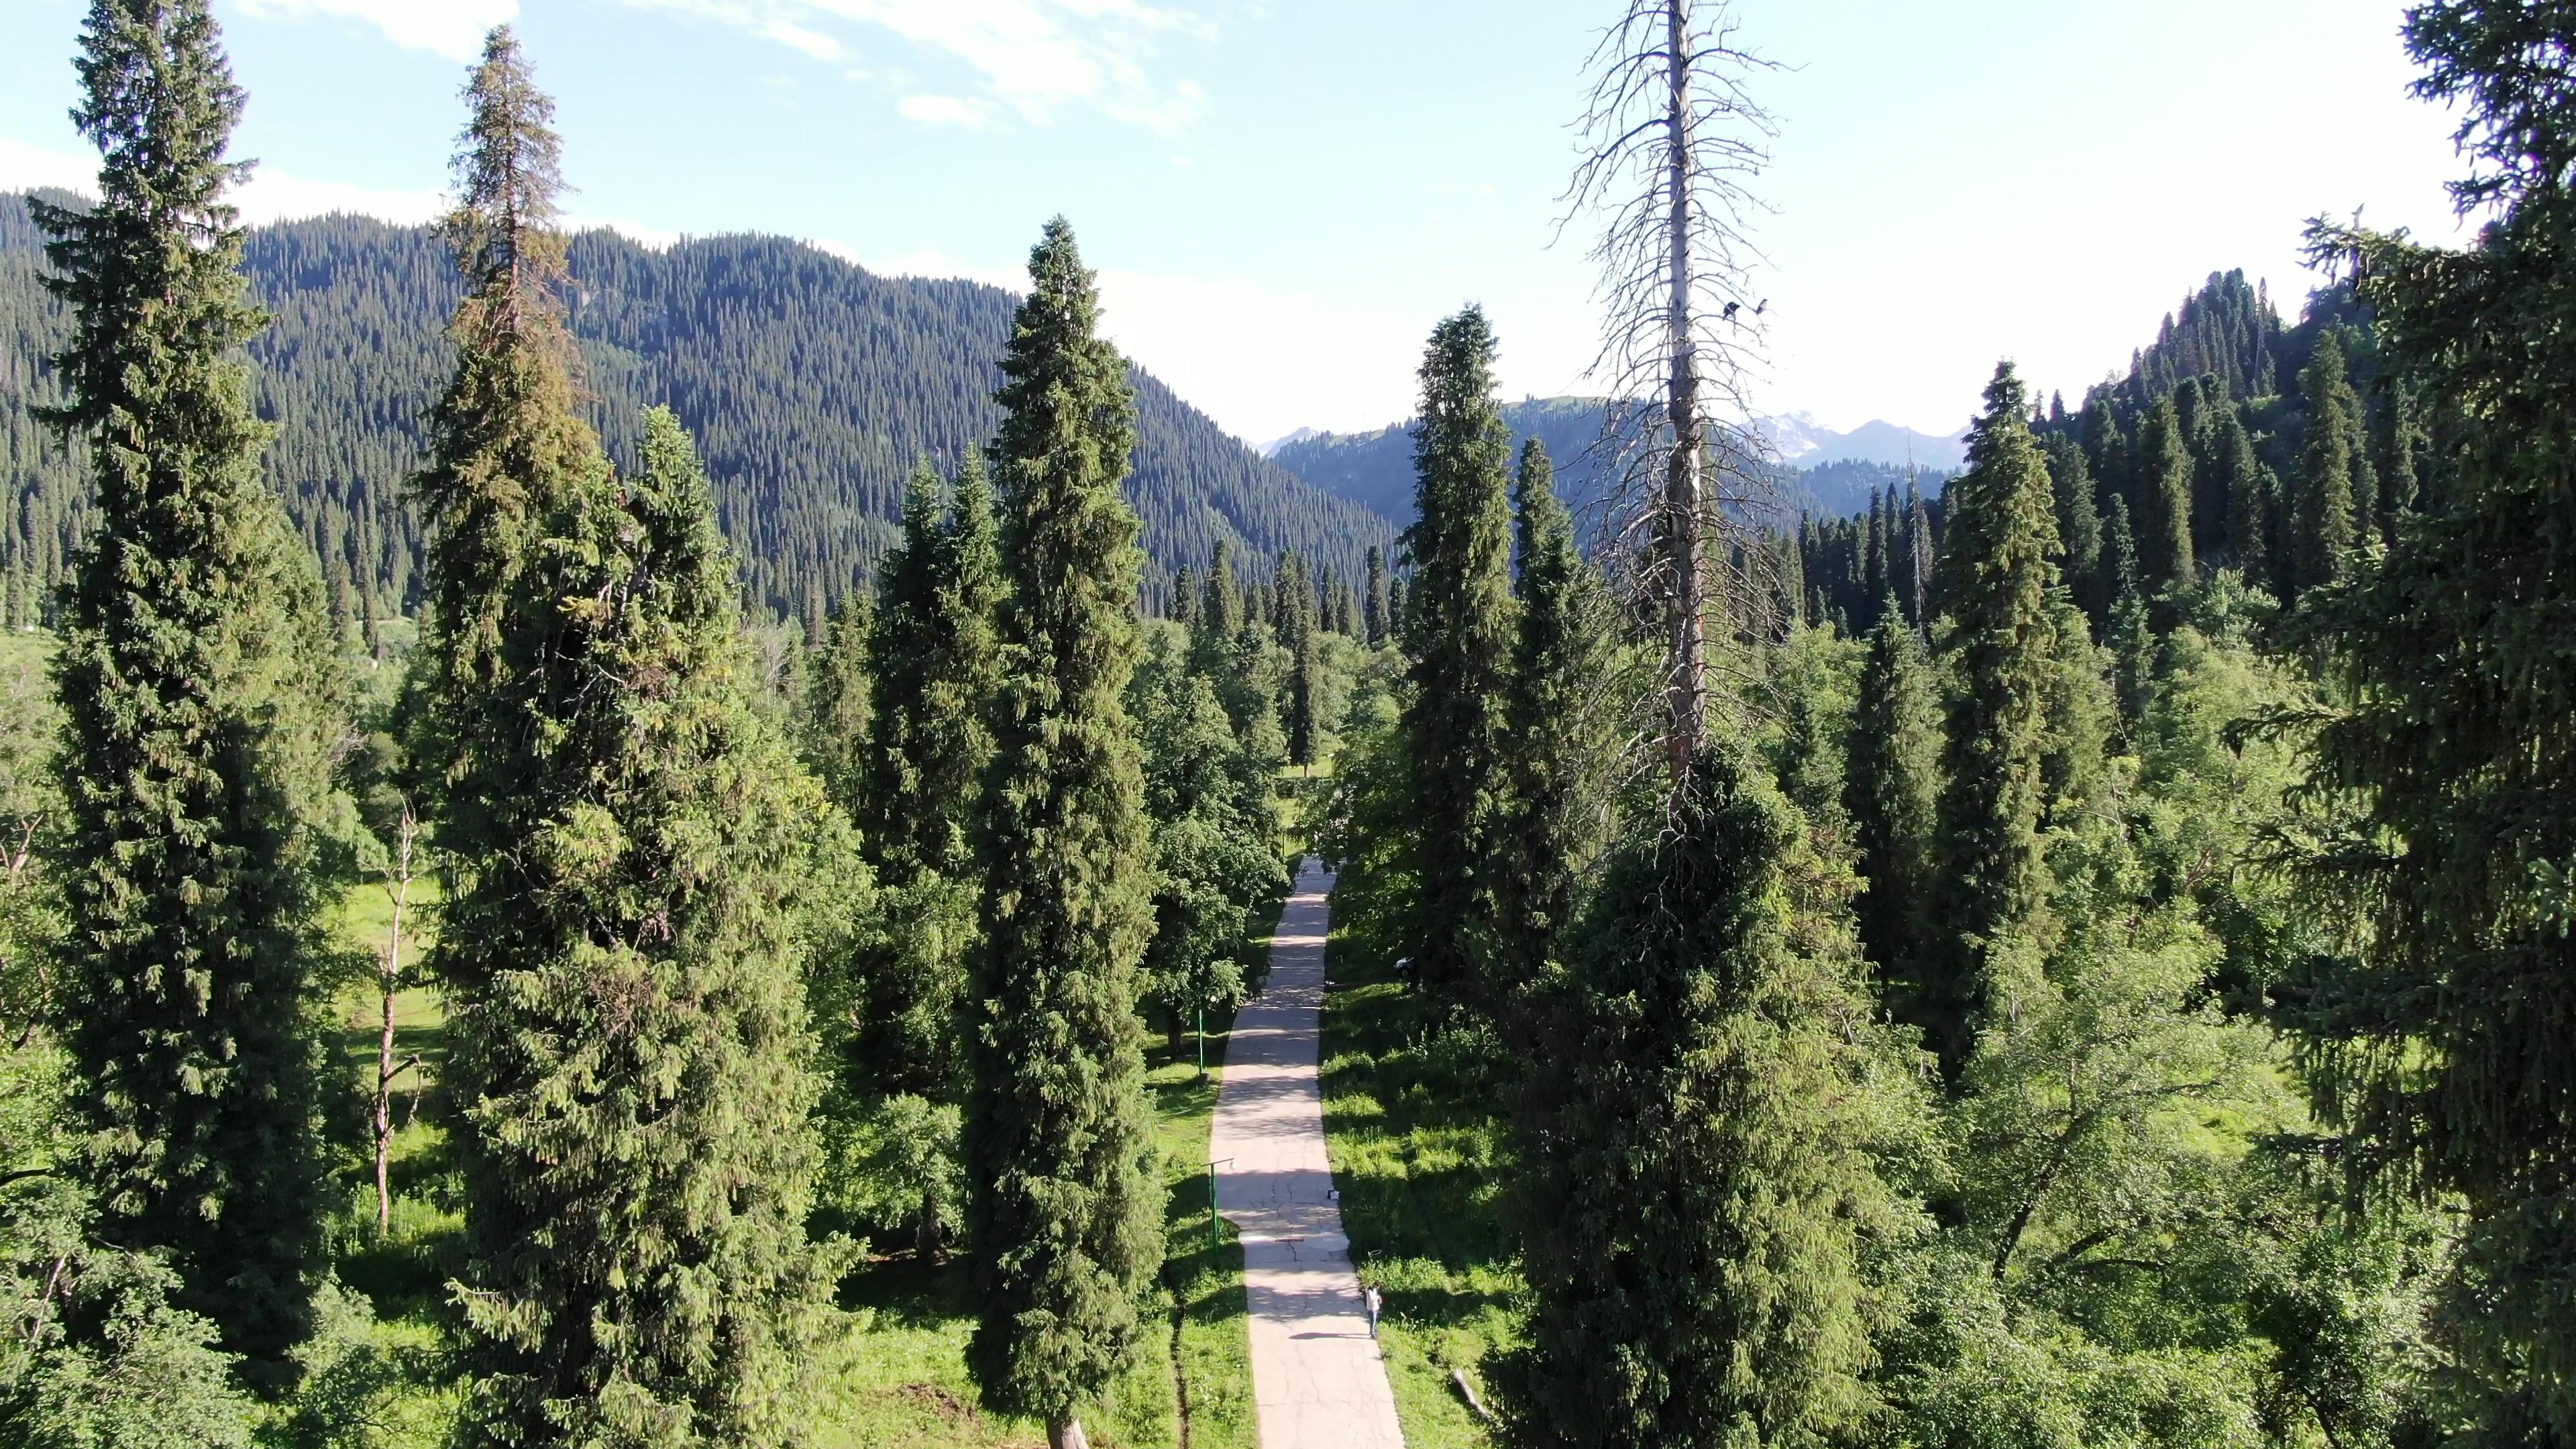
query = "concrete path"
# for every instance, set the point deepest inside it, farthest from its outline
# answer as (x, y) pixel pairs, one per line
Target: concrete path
(1317, 1379)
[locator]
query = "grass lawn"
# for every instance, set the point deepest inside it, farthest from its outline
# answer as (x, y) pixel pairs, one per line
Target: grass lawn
(1417, 1152)
(896, 1379)
(900, 1377)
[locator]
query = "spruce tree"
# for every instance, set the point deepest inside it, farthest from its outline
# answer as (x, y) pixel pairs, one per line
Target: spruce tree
(2443, 1044)
(1997, 577)
(2249, 504)
(2079, 524)
(1459, 636)
(1890, 789)
(1373, 610)
(833, 707)
(2323, 518)
(2163, 516)
(627, 1039)
(1557, 712)
(1696, 1184)
(1065, 1221)
(625, 1032)
(1303, 708)
(199, 706)
(935, 658)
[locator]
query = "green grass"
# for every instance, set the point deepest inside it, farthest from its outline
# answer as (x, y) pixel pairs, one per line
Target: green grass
(899, 1380)
(1417, 1151)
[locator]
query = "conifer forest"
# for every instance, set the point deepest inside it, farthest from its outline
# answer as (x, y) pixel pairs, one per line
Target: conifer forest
(609, 846)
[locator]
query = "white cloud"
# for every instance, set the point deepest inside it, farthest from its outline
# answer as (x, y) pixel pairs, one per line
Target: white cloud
(1035, 56)
(24, 168)
(452, 28)
(269, 195)
(813, 42)
(945, 111)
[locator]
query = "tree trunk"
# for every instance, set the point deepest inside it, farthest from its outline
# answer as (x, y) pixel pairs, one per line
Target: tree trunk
(930, 1236)
(397, 886)
(1067, 1434)
(1687, 688)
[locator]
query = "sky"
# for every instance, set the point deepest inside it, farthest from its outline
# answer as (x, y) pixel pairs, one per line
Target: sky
(1282, 196)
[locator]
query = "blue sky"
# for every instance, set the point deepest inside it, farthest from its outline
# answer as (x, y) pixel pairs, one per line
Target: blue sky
(1283, 195)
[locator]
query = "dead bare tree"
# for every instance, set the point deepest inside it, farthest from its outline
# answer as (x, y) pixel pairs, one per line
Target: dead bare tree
(1672, 142)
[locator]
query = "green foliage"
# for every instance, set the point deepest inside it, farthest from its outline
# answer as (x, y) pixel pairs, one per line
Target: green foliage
(812, 386)
(628, 1042)
(1891, 790)
(2163, 517)
(1458, 634)
(1062, 1219)
(1560, 716)
(199, 709)
(933, 660)
(96, 1356)
(1996, 578)
(2330, 490)
(1697, 1183)
(2440, 1038)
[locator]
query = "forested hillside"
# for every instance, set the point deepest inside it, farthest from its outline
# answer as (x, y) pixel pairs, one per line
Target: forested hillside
(813, 385)
(1375, 469)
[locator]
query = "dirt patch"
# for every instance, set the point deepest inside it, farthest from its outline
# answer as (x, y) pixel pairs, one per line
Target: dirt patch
(938, 1401)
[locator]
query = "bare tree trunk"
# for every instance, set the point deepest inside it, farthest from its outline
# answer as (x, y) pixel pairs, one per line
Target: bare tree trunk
(1067, 1434)
(930, 1235)
(1683, 490)
(397, 886)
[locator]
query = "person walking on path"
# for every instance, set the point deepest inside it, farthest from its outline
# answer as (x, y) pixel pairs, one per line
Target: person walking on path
(1374, 1303)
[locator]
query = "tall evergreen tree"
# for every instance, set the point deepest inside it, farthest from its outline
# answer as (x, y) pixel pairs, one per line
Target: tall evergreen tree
(1302, 714)
(1374, 612)
(833, 707)
(1556, 710)
(934, 657)
(1373, 609)
(1065, 1221)
(625, 1033)
(2444, 1045)
(1460, 635)
(1697, 1182)
(200, 704)
(2163, 516)
(2079, 524)
(1891, 786)
(1997, 576)
(2248, 491)
(2323, 519)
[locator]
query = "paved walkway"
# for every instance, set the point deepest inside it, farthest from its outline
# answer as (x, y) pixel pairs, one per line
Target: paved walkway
(1317, 1378)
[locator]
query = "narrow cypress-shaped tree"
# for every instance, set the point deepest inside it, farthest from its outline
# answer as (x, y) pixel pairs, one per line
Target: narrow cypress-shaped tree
(934, 659)
(1891, 786)
(1557, 710)
(1997, 577)
(199, 708)
(1460, 639)
(2249, 503)
(1697, 1182)
(1066, 1223)
(1373, 610)
(833, 708)
(2322, 521)
(627, 1029)
(2163, 520)
(2079, 524)
(1302, 716)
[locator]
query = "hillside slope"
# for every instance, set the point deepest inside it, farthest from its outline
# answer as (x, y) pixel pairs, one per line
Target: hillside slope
(812, 386)
(1375, 469)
